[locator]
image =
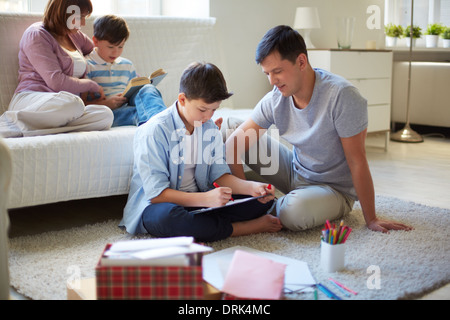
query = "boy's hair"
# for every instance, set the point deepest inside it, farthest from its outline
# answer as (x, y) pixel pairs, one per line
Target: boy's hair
(111, 28)
(204, 81)
(288, 42)
(56, 16)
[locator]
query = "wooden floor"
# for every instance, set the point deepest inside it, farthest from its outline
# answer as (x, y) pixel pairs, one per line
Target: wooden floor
(418, 172)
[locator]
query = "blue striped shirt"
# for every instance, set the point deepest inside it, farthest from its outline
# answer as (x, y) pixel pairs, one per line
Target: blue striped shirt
(113, 77)
(159, 162)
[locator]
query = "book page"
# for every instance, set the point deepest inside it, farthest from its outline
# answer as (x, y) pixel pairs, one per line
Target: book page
(230, 203)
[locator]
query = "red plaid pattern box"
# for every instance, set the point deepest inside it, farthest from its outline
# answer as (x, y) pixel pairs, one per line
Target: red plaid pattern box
(149, 282)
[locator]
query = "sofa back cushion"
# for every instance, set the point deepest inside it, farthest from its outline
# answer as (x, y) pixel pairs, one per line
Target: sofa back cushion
(170, 43)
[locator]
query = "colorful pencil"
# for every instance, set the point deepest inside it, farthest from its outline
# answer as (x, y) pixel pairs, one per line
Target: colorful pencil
(335, 235)
(343, 287)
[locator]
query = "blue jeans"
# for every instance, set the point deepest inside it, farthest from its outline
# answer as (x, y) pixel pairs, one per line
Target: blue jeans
(143, 105)
(171, 220)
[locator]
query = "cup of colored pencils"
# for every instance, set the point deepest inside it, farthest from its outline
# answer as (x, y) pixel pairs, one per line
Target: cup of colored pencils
(332, 248)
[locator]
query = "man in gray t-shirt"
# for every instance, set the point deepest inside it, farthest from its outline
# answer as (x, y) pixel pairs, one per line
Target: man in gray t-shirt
(324, 118)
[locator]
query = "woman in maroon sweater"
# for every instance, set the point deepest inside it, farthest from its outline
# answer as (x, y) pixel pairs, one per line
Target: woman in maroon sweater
(51, 71)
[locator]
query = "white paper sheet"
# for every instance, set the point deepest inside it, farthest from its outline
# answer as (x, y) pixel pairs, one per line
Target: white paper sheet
(297, 274)
(169, 251)
(229, 203)
(146, 244)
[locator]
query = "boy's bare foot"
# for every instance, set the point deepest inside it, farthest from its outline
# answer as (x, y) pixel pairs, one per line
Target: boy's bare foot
(266, 223)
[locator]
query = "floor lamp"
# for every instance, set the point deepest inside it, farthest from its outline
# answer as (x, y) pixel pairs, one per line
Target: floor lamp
(407, 134)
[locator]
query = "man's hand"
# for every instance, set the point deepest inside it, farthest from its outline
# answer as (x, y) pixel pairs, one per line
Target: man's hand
(386, 225)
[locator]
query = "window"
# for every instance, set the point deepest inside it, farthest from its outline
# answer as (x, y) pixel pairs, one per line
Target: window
(192, 8)
(127, 7)
(425, 12)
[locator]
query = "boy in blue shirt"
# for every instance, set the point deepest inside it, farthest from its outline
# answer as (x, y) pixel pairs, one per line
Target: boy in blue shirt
(178, 156)
(113, 72)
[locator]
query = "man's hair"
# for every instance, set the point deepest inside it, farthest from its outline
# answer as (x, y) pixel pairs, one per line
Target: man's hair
(288, 42)
(204, 81)
(111, 28)
(56, 16)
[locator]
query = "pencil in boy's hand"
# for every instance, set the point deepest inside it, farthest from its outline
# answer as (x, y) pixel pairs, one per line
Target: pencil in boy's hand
(269, 187)
(217, 186)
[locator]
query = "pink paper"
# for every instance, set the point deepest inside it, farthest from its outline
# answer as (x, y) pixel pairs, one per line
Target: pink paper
(254, 277)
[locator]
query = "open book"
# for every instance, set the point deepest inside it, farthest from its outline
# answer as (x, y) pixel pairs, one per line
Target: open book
(230, 203)
(137, 83)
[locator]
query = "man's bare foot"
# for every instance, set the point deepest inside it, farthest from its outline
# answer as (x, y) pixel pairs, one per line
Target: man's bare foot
(266, 223)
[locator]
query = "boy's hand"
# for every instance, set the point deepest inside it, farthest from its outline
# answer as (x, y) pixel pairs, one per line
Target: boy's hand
(218, 197)
(116, 101)
(113, 102)
(260, 189)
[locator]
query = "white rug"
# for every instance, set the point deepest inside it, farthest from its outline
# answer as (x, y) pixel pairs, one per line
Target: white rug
(410, 264)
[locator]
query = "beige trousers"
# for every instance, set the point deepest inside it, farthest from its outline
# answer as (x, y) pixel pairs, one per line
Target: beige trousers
(42, 113)
(305, 205)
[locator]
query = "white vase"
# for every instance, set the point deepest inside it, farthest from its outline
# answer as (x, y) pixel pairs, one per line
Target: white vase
(391, 41)
(431, 41)
(408, 42)
(446, 43)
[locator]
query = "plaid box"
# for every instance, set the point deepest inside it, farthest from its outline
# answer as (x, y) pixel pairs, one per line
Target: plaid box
(149, 282)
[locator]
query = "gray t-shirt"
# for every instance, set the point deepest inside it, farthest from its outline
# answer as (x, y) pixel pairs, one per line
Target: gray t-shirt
(336, 110)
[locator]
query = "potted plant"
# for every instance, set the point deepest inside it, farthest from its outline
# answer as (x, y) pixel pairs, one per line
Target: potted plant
(416, 33)
(393, 32)
(445, 35)
(432, 34)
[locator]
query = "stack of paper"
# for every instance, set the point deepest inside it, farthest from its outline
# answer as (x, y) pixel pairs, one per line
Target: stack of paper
(152, 252)
(217, 266)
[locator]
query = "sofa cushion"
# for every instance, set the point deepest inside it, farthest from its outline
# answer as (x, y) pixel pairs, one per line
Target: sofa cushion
(70, 166)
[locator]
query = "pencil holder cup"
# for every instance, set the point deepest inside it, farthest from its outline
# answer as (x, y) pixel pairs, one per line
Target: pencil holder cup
(332, 256)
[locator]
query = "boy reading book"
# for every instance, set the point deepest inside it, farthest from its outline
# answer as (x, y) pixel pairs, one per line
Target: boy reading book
(113, 73)
(178, 157)
(137, 83)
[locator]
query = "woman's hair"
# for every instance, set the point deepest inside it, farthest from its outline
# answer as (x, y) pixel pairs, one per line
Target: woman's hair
(204, 81)
(58, 12)
(111, 28)
(288, 42)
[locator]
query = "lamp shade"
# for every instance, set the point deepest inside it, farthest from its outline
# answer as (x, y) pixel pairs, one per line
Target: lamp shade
(306, 18)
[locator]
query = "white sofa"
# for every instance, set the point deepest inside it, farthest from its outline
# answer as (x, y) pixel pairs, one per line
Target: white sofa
(62, 167)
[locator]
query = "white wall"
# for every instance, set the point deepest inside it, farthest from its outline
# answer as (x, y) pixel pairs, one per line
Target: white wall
(183, 8)
(242, 23)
